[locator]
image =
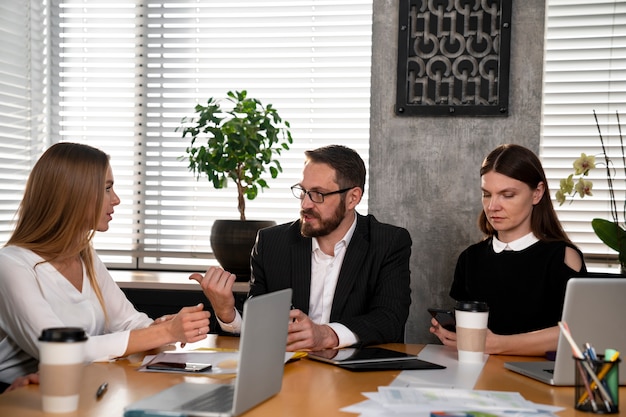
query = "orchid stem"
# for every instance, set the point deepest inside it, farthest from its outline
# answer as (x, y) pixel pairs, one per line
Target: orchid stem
(609, 177)
(621, 142)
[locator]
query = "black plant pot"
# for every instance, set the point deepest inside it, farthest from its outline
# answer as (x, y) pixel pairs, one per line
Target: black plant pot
(232, 242)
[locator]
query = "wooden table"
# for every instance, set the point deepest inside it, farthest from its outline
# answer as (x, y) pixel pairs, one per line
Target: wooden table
(309, 388)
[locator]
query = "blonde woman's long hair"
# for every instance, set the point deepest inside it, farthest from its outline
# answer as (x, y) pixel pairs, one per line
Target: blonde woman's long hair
(62, 203)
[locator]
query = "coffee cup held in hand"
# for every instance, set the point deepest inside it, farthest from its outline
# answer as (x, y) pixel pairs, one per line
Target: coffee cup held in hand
(471, 330)
(61, 362)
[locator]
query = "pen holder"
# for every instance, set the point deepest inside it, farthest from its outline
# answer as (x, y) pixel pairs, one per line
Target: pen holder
(597, 385)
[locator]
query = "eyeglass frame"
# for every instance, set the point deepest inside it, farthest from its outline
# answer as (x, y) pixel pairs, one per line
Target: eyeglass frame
(304, 191)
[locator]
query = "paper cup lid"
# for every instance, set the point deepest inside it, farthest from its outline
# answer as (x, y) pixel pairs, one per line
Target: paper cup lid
(478, 306)
(63, 334)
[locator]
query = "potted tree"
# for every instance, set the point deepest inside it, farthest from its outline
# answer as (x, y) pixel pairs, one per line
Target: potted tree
(240, 144)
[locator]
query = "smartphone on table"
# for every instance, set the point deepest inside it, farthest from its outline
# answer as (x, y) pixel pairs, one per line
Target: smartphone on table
(179, 366)
(444, 317)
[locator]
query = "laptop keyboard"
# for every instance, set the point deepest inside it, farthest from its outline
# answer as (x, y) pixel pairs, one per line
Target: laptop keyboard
(218, 400)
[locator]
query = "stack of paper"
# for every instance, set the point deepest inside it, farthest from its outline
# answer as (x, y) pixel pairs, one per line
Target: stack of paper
(434, 402)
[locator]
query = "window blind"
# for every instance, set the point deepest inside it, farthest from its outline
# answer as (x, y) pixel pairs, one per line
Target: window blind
(585, 70)
(124, 73)
(23, 95)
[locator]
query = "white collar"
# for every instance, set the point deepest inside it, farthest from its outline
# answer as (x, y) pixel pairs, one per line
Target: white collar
(517, 245)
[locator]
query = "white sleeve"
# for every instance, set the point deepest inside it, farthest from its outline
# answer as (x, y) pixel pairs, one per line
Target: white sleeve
(345, 336)
(24, 311)
(122, 318)
(122, 315)
(232, 327)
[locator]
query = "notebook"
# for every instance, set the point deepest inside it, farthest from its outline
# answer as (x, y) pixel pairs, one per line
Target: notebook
(594, 311)
(259, 371)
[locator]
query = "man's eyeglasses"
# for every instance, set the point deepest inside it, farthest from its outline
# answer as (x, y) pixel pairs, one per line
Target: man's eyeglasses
(315, 196)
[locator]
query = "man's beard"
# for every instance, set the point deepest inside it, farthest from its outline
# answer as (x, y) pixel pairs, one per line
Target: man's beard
(326, 226)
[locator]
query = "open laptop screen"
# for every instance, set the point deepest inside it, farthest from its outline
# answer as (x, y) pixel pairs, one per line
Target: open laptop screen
(594, 310)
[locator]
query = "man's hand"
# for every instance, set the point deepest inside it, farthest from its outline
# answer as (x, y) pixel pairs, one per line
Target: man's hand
(306, 335)
(217, 286)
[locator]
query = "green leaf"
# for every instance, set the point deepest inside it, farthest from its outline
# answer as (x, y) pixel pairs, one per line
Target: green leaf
(236, 143)
(612, 234)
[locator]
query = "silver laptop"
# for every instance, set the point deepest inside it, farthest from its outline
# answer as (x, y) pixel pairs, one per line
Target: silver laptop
(595, 312)
(259, 372)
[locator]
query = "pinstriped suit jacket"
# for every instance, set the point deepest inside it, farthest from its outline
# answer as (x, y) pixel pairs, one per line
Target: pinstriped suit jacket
(373, 292)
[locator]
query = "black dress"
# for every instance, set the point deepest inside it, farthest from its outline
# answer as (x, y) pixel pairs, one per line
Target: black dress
(524, 289)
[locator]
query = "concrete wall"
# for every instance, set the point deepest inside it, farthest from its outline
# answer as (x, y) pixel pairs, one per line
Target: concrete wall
(424, 170)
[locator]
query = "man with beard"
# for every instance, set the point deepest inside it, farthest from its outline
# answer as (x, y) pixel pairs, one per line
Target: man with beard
(349, 273)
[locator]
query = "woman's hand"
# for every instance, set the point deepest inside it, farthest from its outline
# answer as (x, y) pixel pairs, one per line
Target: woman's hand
(22, 381)
(446, 337)
(191, 324)
(162, 319)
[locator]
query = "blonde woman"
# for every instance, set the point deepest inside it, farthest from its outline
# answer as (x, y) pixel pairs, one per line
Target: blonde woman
(50, 275)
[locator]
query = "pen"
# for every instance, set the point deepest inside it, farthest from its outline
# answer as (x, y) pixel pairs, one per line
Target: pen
(591, 352)
(603, 372)
(608, 401)
(568, 336)
(102, 389)
(588, 390)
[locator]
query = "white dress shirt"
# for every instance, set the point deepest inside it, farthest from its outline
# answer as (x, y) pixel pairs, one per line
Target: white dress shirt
(324, 275)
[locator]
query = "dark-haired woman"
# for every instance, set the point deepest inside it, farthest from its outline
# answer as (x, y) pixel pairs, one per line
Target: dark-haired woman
(522, 266)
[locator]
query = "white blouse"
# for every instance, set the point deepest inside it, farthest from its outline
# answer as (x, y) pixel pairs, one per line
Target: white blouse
(35, 296)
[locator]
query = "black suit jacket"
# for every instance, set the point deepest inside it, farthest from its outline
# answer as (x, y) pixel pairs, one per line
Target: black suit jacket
(373, 293)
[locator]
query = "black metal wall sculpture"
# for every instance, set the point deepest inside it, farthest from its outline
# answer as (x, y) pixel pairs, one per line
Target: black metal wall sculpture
(453, 57)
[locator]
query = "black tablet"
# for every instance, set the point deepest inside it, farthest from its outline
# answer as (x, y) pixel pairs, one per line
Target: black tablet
(371, 358)
(411, 364)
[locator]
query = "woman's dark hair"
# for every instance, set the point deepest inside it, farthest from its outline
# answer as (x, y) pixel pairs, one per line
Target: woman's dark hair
(522, 164)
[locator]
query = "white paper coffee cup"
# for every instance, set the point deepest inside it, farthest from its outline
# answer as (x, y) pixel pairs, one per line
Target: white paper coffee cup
(471, 330)
(61, 363)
